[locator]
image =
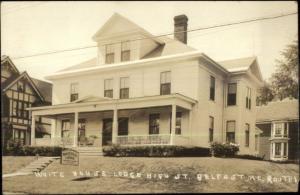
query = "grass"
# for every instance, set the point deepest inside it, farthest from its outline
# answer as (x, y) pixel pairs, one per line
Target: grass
(170, 166)
(11, 164)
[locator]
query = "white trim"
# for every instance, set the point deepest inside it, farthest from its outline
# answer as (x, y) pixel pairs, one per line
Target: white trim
(134, 64)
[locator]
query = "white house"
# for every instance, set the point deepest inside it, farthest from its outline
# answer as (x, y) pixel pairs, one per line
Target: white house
(147, 90)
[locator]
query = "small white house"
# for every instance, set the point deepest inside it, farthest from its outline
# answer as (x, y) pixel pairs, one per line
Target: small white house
(147, 90)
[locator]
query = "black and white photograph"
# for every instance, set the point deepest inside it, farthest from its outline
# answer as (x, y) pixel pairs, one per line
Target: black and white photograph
(114, 97)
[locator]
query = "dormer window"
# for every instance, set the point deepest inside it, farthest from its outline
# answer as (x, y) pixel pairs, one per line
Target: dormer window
(125, 53)
(110, 55)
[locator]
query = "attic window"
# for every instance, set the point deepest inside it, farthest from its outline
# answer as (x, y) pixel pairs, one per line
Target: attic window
(20, 86)
(125, 55)
(110, 55)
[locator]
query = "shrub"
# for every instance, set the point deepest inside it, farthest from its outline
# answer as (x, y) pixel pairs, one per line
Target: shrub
(250, 157)
(154, 151)
(18, 150)
(224, 149)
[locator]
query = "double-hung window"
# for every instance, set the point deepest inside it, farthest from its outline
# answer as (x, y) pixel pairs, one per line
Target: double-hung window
(124, 87)
(247, 134)
(212, 88)
(109, 54)
(280, 129)
(248, 98)
(165, 83)
(211, 129)
(230, 131)
(74, 92)
(125, 53)
(108, 88)
(231, 96)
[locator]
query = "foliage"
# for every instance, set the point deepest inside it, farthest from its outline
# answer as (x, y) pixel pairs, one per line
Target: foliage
(284, 81)
(224, 149)
(154, 151)
(266, 94)
(19, 150)
(247, 156)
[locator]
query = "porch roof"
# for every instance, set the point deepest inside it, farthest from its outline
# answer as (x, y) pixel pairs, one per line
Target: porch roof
(93, 105)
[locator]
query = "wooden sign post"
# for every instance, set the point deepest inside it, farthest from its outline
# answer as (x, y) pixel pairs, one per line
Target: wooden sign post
(69, 157)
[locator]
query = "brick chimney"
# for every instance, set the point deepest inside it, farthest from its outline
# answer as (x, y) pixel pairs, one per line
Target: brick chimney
(180, 24)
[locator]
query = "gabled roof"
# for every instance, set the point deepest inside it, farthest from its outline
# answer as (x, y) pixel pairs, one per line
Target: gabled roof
(169, 47)
(5, 58)
(86, 64)
(45, 88)
(286, 109)
(243, 65)
(25, 75)
(238, 64)
(125, 26)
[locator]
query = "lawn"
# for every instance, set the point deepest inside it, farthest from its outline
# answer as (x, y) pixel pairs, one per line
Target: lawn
(11, 164)
(132, 175)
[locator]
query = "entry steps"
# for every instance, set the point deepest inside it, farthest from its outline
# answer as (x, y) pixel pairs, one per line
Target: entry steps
(89, 151)
(35, 166)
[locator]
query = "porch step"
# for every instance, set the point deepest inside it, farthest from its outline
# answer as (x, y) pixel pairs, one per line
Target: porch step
(89, 151)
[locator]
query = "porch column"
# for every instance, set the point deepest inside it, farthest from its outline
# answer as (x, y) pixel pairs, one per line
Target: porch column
(173, 124)
(32, 130)
(75, 143)
(53, 129)
(115, 126)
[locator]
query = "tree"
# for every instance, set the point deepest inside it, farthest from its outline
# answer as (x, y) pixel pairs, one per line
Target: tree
(266, 94)
(284, 82)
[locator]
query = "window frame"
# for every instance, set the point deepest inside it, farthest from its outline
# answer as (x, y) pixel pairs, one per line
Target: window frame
(248, 98)
(165, 83)
(212, 88)
(230, 132)
(124, 90)
(74, 95)
(109, 52)
(211, 128)
(109, 91)
(247, 135)
(125, 50)
(154, 128)
(178, 123)
(229, 97)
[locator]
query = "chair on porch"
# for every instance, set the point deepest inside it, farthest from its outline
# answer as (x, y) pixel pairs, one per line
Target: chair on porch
(90, 141)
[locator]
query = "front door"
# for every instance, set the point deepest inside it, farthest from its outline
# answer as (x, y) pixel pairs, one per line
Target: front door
(81, 132)
(107, 132)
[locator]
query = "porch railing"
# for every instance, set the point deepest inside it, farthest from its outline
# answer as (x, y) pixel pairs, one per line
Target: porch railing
(161, 139)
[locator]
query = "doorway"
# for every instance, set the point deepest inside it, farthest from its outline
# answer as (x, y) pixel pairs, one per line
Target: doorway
(107, 132)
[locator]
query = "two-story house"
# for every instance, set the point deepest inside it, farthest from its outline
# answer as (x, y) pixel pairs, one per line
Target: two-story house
(147, 90)
(18, 92)
(278, 123)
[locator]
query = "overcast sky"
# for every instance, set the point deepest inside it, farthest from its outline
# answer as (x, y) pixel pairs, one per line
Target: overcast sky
(33, 27)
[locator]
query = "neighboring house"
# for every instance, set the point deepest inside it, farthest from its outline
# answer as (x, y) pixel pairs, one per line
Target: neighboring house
(147, 90)
(18, 92)
(278, 123)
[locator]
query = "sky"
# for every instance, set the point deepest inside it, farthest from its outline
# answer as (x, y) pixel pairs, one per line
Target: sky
(29, 28)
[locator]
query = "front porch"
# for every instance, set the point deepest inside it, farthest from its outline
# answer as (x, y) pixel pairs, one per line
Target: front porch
(94, 122)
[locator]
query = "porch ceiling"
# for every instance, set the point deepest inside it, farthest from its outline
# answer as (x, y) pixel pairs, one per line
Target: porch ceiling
(120, 104)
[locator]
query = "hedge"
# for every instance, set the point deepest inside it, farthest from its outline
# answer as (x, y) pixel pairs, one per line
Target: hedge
(32, 151)
(154, 151)
(224, 149)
